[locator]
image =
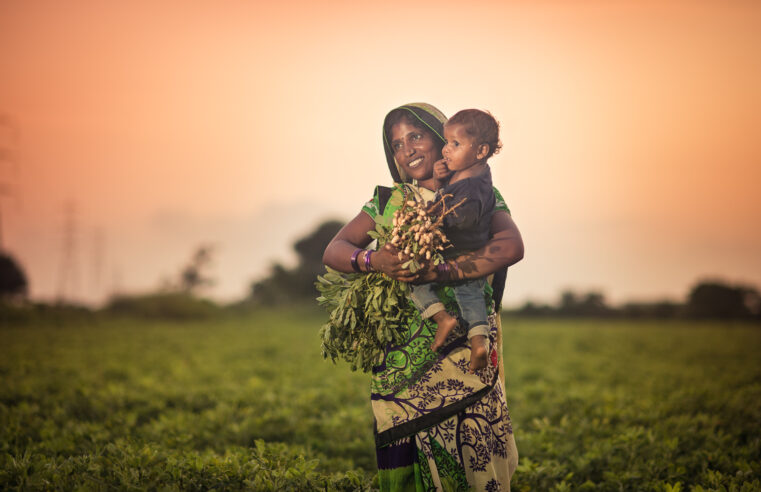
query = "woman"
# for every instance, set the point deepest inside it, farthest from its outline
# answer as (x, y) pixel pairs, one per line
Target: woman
(437, 426)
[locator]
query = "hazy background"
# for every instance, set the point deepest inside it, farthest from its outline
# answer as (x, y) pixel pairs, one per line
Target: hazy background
(631, 159)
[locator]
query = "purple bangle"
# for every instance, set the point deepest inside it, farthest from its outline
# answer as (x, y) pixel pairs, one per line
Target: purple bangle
(368, 266)
(442, 270)
(354, 257)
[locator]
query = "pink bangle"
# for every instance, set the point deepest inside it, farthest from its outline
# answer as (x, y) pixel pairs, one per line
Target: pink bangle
(368, 266)
(354, 257)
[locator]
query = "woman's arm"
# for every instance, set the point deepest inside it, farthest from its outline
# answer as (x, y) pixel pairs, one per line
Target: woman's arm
(354, 235)
(505, 248)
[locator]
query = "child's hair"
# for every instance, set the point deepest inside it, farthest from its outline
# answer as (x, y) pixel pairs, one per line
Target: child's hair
(480, 125)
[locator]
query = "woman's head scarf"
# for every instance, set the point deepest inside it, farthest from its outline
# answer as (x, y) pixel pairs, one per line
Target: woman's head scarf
(431, 119)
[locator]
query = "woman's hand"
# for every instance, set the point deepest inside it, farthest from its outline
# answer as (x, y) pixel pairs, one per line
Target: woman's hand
(354, 235)
(503, 249)
(427, 273)
(386, 260)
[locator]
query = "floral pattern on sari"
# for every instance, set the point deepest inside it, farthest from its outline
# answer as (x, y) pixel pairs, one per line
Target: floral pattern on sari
(472, 449)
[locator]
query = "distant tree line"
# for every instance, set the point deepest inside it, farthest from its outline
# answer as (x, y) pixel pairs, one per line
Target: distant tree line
(706, 299)
(709, 299)
(178, 298)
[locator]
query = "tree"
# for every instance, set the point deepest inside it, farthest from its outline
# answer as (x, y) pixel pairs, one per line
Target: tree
(192, 276)
(715, 299)
(13, 281)
(589, 304)
(284, 285)
(311, 247)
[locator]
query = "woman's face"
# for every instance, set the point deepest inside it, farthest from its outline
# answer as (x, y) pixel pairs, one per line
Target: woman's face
(414, 150)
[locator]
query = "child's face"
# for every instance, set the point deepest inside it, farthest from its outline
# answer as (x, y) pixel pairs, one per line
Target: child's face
(460, 151)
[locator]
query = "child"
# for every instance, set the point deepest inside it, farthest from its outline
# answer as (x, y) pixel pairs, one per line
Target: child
(472, 136)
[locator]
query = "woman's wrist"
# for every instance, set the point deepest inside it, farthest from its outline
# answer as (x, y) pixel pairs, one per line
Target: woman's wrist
(442, 272)
(454, 270)
(355, 259)
(368, 260)
(361, 260)
(447, 271)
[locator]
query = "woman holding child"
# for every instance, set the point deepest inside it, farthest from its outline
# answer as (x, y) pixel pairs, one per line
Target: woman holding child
(441, 419)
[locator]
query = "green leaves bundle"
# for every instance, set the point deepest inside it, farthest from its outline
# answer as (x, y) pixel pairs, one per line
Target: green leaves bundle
(367, 310)
(366, 313)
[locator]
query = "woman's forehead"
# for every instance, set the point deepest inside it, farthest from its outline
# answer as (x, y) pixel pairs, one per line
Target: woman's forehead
(404, 127)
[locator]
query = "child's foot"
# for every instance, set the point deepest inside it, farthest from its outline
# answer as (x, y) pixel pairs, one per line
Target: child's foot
(478, 353)
(445, 324)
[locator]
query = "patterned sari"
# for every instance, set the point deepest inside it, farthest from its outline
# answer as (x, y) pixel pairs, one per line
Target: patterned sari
(437, 426)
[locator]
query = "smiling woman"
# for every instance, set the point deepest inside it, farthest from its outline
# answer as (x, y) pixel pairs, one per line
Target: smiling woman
(437, 424)
(416, 146)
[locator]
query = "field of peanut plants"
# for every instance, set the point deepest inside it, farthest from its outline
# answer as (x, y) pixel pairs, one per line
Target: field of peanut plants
(248, 403)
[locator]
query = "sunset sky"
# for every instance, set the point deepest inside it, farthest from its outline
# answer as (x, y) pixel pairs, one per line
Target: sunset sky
(631, 160)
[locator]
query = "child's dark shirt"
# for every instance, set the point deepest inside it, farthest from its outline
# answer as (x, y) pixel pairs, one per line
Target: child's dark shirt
(469, 229)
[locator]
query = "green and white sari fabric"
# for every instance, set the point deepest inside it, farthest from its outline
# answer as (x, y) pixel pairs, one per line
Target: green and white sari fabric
(437, 426)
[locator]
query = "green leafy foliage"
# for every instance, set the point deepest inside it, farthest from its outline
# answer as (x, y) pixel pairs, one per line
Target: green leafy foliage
(248, 403)
(164, 305)
(620, 405)
(366, 312)
(128, 404)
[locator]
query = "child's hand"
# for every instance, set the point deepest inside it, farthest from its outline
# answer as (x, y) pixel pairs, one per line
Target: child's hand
(441, 173)
(440, 170)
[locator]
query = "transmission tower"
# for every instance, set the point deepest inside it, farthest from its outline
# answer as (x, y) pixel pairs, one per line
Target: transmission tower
(68, 273)
(98, 253)
(9, 136)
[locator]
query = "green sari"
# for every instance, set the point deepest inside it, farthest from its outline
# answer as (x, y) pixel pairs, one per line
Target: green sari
(437, 426)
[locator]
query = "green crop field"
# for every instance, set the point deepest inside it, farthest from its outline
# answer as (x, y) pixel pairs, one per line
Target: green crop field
(248, 403)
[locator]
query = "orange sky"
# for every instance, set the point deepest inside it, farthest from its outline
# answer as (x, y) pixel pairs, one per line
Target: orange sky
(631, 154)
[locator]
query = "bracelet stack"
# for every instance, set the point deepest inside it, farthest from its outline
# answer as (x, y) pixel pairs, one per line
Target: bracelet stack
(442, 270)
(446, 273)
(355, 260)
(354, 256)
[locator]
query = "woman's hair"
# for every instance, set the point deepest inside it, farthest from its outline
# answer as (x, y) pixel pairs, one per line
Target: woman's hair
(402, 114)
(480, 125)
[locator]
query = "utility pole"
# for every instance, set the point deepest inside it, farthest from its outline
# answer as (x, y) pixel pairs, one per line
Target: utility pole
(9, 136)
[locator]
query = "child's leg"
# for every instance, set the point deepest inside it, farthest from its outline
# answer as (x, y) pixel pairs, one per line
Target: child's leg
(470, 297)
(445, 323)
(425, 299)
(479, 352)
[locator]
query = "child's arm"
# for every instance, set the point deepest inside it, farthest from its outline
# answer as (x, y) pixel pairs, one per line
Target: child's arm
(441, 174)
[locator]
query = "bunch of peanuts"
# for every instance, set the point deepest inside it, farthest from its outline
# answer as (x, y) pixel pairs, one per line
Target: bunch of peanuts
(416, 231)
